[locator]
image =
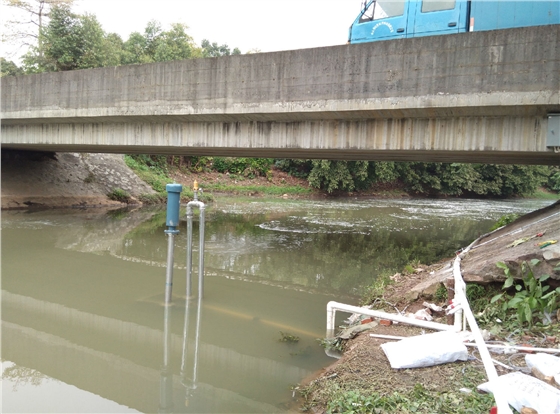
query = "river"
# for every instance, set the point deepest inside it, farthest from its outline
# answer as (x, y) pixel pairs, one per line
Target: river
(84, 328)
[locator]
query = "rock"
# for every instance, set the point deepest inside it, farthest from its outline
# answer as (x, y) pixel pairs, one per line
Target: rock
(551, 252)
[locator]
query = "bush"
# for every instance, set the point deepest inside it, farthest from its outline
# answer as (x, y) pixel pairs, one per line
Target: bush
(248, 167)
(505, 219)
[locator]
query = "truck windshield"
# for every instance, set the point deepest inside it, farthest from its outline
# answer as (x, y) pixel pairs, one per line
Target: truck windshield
(382, 9)
(437, 5)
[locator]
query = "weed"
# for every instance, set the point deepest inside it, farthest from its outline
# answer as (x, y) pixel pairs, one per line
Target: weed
(441, 293)
(505, 219)
(90, 178)
(157, 198)
(289, 338)
(120, 195)
(375, 290)
(531, 298)
(336, 344)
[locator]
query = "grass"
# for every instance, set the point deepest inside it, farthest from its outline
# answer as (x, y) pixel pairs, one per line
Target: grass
(119, 194)
(542, 194)
(364, 396)
(261, 189)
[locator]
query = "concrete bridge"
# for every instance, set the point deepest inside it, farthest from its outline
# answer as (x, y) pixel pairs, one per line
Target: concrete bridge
(472, 97)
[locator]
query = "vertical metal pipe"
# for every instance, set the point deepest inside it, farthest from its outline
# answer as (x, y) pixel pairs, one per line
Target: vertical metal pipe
(200, 205)
(201, 254)
(172, 222)
(189, 250)
(169, 271)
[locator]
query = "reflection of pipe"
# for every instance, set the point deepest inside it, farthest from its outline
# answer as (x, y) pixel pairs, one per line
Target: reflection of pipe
(332, 307)
(197, 339)
(190, 384)
(200, 205)
(166, 376)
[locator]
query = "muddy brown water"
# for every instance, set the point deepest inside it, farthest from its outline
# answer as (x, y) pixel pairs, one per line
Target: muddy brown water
(84, 328)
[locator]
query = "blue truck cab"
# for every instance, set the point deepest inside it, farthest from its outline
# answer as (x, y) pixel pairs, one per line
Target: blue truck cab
(394, 19)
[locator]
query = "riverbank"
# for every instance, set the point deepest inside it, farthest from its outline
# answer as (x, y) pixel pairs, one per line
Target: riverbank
(363, 380)
(63, 180)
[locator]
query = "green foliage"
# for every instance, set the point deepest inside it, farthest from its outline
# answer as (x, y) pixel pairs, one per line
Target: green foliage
(213, 50)
(9, 68)
(71, 41)
(504, 220)
(120, 195)
(441, 293)
(158, 45)
(151, 170)
(531, 299)
(554, 179)
(248, 167)
(287, 337)
(375, 290)
(158, 198)
(433, 179)
(419, 399)
(339, 175)
(296, 168)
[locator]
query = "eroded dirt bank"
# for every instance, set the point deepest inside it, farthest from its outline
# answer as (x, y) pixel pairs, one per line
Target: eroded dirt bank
(52, 180)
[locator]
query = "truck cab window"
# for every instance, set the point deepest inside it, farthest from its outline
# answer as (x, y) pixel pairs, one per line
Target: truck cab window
(437, 5)
(382, 9)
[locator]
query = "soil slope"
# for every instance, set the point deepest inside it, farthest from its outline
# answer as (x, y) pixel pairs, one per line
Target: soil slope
(65, 179)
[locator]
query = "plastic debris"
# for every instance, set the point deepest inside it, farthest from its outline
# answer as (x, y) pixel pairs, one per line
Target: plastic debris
(519, 241)
(544, 244)
(425, 350)
(432, 306)
(421, 314)
(544, 366)
(525, 391)
(355, 330)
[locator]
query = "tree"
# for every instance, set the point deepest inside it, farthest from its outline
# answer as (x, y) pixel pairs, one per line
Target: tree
(9, 68)
(213, 50)
(157, 45)
(71, 41)
(31, 16)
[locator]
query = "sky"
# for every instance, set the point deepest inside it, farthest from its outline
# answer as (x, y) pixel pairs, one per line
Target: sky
(265, 25)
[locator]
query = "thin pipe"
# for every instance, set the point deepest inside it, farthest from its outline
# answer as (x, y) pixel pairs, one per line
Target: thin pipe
(515, 347)
(169, 271)
(200, 205)
(201, 253)
(189, 250)
(332, 307)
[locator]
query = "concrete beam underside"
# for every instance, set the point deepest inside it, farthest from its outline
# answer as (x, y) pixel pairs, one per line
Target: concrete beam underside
(500, 140)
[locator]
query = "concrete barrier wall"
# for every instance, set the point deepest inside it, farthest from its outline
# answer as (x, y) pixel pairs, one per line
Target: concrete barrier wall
(449, 75)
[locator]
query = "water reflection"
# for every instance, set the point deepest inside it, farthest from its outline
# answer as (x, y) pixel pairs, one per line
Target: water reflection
(82, 296)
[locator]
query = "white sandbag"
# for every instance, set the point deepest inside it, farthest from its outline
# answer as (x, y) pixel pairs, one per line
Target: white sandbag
(546, 364)
(522, 390)
(425, 350)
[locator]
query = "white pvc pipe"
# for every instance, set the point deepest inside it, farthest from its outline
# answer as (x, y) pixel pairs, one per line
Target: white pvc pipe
(514, 347)
(461, 298)
(332, 307)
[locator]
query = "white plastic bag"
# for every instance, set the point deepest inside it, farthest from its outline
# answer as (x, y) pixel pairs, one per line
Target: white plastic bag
(425, 350)
(546, 364)
(522, 390)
